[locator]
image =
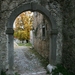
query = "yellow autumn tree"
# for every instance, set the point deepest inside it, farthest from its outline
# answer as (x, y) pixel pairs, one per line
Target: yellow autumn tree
(23, 24)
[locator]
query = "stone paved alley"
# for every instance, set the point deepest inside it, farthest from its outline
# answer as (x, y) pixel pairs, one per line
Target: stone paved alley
(26, 63)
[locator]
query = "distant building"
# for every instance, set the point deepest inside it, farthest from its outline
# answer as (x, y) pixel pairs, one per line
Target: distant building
(41, 34)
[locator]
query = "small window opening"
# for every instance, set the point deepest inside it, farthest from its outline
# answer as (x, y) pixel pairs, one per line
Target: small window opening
(43, 31)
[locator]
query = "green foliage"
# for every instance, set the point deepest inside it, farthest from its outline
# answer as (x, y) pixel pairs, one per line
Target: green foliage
(3, 73)
(61, 69)
(23, 24)
(25, 44)
(17, 73)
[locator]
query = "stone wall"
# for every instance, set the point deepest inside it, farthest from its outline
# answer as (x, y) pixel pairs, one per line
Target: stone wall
(63, 12)
(7, 6)
(55, 10)
(69, 35)
(41, 44)
(3, 39)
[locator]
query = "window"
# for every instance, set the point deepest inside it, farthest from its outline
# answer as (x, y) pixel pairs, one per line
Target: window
(43, 31)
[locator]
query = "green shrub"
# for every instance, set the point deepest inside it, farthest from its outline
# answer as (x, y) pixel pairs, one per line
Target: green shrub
(24, 44)
(61, 69)
(3, 73)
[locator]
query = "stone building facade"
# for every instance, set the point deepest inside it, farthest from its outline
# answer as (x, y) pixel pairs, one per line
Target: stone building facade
(41, 34)
(63, 13)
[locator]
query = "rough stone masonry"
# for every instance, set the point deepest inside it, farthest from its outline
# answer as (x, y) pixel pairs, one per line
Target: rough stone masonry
(63, 12)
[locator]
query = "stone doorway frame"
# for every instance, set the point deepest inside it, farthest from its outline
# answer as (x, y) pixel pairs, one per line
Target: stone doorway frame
(53, 31)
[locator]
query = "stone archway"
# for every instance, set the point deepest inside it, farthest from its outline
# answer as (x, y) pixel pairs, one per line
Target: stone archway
(53, 31)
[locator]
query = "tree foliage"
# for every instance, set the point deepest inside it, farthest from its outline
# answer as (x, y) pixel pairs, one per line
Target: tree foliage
(23, 24)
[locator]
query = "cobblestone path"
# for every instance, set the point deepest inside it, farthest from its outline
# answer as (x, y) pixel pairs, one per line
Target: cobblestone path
(26, 63)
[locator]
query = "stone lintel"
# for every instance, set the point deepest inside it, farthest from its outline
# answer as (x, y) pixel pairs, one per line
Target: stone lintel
(9, 31)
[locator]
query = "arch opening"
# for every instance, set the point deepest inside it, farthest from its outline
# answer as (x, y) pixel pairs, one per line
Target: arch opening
(53, 31)
(40, 27)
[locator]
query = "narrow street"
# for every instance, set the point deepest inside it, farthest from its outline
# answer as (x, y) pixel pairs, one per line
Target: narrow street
(26, 63)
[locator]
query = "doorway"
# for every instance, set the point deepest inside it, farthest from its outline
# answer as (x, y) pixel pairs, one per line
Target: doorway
(53, 31)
